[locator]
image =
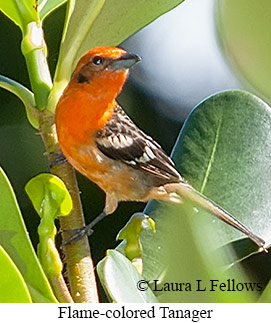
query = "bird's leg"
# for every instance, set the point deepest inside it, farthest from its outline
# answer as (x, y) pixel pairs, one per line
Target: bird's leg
(111, 204)
(56, 159)
(81, 232)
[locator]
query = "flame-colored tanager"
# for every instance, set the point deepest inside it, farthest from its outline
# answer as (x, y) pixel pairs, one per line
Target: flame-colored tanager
(102, 142)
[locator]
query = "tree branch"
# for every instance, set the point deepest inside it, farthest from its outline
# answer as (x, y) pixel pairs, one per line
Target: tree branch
(80, 270)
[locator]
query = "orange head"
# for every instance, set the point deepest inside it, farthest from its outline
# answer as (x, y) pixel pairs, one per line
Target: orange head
(88, 100)
(103, 70)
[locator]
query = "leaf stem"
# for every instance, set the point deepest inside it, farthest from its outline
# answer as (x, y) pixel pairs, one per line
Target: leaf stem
(25, 95)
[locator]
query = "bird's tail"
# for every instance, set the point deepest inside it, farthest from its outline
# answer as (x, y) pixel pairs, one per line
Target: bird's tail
(188, 192)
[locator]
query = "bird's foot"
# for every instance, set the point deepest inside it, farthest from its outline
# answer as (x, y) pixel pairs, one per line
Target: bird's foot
(81, 232)
(56, 159)
(77, 234)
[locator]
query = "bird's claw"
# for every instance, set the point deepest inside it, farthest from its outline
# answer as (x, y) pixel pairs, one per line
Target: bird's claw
(78, 234)
(56, 159)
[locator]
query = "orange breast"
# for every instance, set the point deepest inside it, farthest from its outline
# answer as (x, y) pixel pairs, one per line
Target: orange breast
(83, 110)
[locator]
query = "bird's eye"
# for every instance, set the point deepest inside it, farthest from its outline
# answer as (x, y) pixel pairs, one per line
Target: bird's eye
(97, 60)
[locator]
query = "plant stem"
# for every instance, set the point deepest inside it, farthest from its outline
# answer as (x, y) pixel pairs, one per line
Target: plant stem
(60, 289)
(78, 259)
(34, 50)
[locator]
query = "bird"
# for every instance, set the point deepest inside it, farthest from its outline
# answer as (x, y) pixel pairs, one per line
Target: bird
(101, 141)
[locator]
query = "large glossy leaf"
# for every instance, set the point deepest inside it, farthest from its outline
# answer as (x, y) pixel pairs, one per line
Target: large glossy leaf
(102, 23)
(224, 151)
(20, 12)
(120, 280)
(12, 286)
(15, 240)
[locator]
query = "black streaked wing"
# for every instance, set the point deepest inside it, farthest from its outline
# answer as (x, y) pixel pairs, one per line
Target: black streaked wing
(122, 140)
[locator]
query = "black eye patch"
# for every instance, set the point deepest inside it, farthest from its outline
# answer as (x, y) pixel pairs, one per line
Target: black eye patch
(82, 78)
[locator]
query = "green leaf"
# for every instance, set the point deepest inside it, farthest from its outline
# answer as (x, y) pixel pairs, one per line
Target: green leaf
(223, 151)
(49, 188)
(51, 199)
(131, 234)
(120, 280)
(80, 14)
(25, 95)
(16, 242)
(101, 23)
(20, 12)
(13, 288)
(47, 6)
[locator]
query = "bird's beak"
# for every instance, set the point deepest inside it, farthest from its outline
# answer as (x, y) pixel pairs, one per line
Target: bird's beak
(125, 61)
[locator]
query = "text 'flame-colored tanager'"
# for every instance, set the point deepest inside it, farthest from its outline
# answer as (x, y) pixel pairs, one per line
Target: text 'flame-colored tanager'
(102, 142)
